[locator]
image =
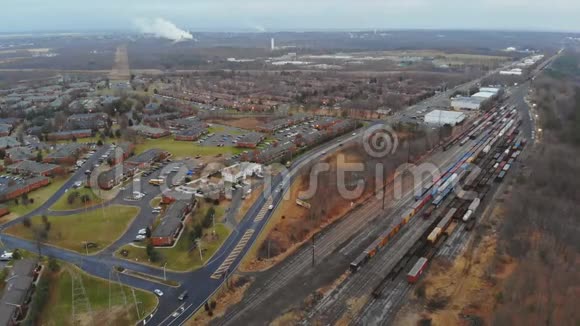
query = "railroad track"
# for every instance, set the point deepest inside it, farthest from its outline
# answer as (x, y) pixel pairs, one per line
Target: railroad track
(382, 310)
(328, 241)
(334, 306)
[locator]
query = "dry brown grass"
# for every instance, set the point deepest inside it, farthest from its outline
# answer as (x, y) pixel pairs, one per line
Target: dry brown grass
(226, 297)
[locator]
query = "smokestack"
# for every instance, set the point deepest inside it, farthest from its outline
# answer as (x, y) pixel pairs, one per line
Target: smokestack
(272, 44)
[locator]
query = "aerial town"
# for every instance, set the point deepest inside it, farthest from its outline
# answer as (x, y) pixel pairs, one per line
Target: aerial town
(171, 177)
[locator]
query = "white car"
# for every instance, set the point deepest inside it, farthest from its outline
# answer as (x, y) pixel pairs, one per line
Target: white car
(6, 255)
(142, 232)
(140, 237)
(158, 292)
(178, 312)
(270, 207)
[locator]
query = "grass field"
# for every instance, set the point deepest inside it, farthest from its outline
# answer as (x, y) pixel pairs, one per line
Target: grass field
(58, 310)
(184, 148)
(221, 128)
(62, 203)
(155, 202)
(180, 257)
(100, 226)
(39, 196)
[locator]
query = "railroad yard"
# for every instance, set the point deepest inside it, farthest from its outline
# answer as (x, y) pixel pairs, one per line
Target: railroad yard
(377, 285)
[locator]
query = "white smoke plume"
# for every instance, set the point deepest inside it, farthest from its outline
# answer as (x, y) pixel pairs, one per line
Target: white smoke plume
(162, 28)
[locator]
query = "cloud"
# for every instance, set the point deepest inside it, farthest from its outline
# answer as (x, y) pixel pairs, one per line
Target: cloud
(162, 28)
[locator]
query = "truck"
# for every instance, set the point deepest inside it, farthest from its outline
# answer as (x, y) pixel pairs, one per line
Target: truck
(156, 182)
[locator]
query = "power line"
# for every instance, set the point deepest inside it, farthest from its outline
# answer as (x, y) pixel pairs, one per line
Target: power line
(80, 301)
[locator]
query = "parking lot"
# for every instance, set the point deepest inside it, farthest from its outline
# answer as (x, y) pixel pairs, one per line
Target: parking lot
(221, 136)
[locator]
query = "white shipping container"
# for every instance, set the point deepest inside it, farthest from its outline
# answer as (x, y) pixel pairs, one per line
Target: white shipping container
(467, 215)
(474, 204)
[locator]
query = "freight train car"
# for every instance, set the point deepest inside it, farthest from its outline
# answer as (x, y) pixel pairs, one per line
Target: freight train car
(441, 226)
(471, 209)
(418, 269)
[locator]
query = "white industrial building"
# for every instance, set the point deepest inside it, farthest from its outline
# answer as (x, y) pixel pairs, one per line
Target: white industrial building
(493, 90)
(514, 72)
(484, 95)
(467, 103)
(239, 172)
(441, 117)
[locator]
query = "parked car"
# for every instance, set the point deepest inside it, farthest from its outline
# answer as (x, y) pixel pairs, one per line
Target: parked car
(140, 237)
(142, 232)
(158, 292)
(6, 256)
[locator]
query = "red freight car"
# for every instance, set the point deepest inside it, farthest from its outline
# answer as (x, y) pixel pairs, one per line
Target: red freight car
(415, 272)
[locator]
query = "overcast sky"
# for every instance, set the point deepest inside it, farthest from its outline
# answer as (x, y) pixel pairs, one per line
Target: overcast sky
(275, 15)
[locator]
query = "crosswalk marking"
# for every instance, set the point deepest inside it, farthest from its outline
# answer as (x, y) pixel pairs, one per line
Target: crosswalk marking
(233, 255)
(263, 211)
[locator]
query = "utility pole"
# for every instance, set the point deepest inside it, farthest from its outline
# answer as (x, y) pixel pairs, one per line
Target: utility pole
(408, 152)
(114, 278)
(136, 303)
(80, 300)
(313, 246)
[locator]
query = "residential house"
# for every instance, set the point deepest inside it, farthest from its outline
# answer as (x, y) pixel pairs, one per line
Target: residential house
(35, 168)
(165, 234)
(147, 158)
(190, 134)
(16, 190)
(114, 176)
(250, 140)
(8, 142)
(150, 132)
(20, 284)
(66, 154)
(17, 154)
(70, 134)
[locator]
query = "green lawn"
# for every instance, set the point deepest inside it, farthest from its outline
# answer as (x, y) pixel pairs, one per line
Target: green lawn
(39, 196)
(155, 202)
(220, 128)
(184, 148)
(203, 206)
(62, 204)
(179, 257)
(100, 226)
(58, 310)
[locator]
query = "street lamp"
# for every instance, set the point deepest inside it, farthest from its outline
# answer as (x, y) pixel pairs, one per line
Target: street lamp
(164, 274)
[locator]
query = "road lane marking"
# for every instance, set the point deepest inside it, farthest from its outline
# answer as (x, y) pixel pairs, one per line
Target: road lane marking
(262, 213)
(219, 272)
